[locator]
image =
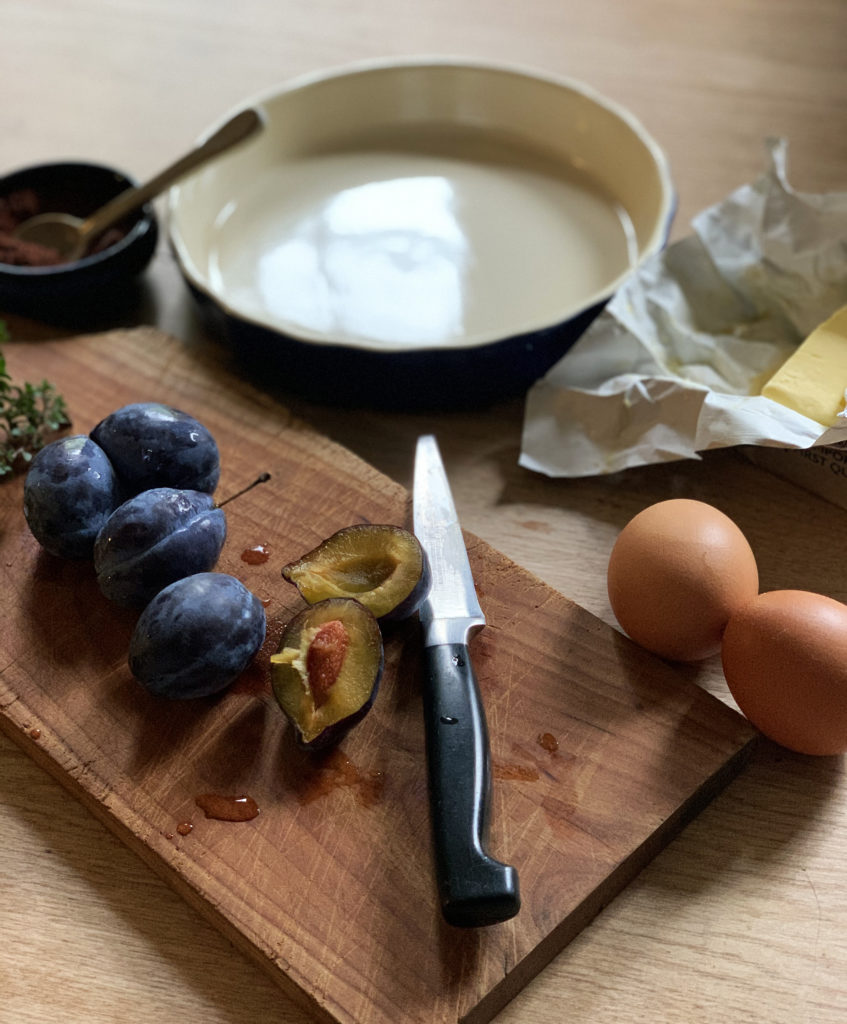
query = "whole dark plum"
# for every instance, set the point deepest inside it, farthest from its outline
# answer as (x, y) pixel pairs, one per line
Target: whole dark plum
(153, 445)
(154, 539)
(196, 636)
(70, 491)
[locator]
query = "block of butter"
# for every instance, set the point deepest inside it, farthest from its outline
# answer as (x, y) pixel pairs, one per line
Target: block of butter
(813, 379)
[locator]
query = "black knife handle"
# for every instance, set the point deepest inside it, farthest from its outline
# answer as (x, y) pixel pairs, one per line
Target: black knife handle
(474, 888)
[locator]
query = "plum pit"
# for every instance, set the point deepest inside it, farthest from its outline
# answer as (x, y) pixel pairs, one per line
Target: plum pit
(325, 658)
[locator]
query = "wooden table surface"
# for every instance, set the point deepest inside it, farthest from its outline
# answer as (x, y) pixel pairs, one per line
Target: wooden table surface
(743, 917)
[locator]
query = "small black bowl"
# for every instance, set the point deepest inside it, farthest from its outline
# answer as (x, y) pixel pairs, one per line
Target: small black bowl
(97, 284)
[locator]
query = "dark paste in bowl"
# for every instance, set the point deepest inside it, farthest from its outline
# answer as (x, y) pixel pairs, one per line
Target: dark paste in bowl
(32, 280)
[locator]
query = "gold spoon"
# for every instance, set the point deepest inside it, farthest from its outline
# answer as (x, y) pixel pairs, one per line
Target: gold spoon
(71, 236)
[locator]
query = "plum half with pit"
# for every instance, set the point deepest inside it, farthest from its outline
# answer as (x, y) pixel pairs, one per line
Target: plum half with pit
(154, 445)
(381, 566)
(154, 539)
(196, 636)
(70, 491)
(327, 670)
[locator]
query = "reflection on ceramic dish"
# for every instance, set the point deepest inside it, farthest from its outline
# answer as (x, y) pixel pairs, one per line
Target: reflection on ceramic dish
(402, 248)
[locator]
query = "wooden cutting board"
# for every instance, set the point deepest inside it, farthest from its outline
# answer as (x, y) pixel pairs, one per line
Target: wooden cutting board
(600, 752)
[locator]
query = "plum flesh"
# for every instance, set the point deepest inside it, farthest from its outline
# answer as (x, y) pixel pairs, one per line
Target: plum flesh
(327, 670)
(154, 445)
(381, 566)
(154, 539)
(70, 491)
(196, 636)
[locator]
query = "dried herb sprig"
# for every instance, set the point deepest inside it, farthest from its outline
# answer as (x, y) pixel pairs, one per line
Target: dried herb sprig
(28, 413)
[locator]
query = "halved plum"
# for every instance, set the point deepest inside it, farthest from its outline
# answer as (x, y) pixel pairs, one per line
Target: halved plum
(381, 566)
(327, 670)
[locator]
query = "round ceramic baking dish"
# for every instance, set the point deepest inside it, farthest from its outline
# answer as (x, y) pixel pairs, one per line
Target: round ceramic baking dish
(420, 233)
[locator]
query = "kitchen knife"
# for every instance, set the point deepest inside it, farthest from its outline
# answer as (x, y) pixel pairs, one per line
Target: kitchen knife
(474, 888)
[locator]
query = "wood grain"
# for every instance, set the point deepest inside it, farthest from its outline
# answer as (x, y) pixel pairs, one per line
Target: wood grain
(601, 752)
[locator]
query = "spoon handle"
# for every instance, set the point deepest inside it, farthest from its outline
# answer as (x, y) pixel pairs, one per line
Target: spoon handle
(238, 128)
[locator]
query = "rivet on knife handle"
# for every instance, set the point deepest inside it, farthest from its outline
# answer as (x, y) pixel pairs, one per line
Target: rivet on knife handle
(474, 888)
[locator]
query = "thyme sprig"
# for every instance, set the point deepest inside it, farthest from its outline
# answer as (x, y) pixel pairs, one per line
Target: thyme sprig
(28, 414)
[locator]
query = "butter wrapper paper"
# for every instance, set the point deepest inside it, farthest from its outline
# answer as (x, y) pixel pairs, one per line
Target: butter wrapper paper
(674, 364)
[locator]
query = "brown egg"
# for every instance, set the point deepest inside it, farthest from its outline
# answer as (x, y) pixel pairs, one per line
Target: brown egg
(677, 572)
(785, 660)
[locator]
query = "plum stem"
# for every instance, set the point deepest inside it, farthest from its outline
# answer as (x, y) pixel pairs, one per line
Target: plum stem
(261, 479)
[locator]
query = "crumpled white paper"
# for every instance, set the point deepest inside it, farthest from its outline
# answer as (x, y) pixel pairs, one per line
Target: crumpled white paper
(673, 365)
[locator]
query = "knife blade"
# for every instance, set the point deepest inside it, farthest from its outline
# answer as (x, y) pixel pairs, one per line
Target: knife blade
(474, 888)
